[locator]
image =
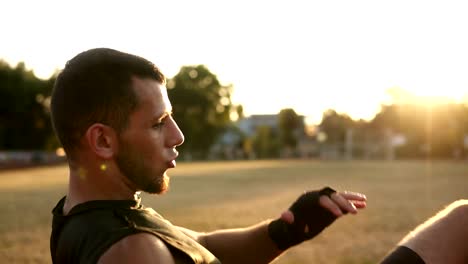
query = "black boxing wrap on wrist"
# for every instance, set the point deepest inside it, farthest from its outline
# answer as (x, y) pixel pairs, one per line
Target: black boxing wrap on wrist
(310, 218)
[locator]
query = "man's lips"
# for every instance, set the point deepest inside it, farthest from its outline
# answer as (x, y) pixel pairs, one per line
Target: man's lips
(171, 164)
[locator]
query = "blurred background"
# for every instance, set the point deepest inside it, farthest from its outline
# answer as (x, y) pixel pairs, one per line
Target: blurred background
(262, 79)
(376, 86)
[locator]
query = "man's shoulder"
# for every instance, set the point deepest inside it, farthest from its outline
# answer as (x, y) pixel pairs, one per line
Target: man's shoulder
(87, 234)
(138, 248)
(94, 221)
(97, 215)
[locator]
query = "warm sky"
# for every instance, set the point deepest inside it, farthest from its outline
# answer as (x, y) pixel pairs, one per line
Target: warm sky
(307, 55)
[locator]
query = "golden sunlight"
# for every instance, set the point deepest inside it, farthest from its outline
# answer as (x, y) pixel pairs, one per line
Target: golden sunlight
(434, 95)
(426, 96)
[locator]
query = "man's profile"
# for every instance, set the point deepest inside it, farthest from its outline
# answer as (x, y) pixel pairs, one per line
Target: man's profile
(112, 115)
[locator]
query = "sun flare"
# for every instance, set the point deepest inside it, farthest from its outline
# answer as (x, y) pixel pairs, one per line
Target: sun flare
(426, 96)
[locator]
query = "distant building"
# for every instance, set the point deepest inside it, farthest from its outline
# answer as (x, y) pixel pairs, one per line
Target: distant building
(232, 144)
(249, 125)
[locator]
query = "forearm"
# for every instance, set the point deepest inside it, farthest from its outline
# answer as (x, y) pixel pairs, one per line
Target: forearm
(243, 245)
(261, 243)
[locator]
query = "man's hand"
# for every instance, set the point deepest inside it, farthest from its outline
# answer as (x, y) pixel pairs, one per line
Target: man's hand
(338, 203)
(311, 213)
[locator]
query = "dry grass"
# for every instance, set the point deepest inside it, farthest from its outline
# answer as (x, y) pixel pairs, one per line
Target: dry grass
(207, 196)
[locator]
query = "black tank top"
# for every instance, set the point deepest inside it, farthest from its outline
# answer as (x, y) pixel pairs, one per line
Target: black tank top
(91, 228)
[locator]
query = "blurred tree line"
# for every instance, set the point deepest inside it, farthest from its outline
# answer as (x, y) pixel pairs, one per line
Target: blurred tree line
(269, 142)
(204, 111)
(409, 127)
(201, 106)
(24, 110)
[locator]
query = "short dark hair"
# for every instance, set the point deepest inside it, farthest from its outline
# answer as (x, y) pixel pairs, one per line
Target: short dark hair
(96, 87)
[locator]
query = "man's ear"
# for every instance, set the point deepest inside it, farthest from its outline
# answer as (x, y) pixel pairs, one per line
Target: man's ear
(102, 140)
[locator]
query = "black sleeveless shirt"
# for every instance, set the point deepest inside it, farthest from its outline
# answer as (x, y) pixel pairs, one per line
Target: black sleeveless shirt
(91, 228)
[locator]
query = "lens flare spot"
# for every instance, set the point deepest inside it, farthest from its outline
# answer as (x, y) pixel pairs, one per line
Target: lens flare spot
(103, 167)
(82, 173)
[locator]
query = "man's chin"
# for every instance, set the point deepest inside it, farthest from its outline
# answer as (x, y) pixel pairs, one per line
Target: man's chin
(161, 186)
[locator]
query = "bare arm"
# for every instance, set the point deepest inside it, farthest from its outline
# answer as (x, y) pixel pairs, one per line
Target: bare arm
(254, 245)
(142, 248)
(244, 245)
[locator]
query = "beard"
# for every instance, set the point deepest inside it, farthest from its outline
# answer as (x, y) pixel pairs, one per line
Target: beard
(131, 163)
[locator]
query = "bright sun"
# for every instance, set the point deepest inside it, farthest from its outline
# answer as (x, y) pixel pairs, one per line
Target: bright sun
(448, 93)
(427, 95)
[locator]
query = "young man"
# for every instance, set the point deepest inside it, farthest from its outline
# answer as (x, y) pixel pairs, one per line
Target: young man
(112, 115)
(111, 112)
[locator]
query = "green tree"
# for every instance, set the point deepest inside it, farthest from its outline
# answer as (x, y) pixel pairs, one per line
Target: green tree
(432, 130)
(290, 125)
(266, 143)
(24, 109)
(201, 107)
(334, 125)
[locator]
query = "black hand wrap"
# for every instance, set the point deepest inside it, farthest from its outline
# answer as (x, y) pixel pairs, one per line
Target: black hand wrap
(310, 218)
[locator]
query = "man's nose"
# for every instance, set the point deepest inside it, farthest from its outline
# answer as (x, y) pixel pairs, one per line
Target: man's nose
(176, 137)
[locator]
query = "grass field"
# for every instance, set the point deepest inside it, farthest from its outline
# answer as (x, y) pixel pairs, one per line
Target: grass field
(211, 195)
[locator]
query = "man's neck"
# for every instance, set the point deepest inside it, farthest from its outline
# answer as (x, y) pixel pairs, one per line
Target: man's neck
(89, 185)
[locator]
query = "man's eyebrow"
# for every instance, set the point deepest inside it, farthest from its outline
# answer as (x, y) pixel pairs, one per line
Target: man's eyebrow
(163, 115)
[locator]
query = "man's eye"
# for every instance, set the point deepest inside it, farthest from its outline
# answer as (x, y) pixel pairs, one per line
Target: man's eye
(159, 125)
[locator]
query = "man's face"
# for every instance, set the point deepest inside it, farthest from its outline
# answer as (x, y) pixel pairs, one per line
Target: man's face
(147, 146)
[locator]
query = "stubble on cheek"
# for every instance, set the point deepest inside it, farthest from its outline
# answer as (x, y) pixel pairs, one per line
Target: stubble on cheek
(141, 175)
